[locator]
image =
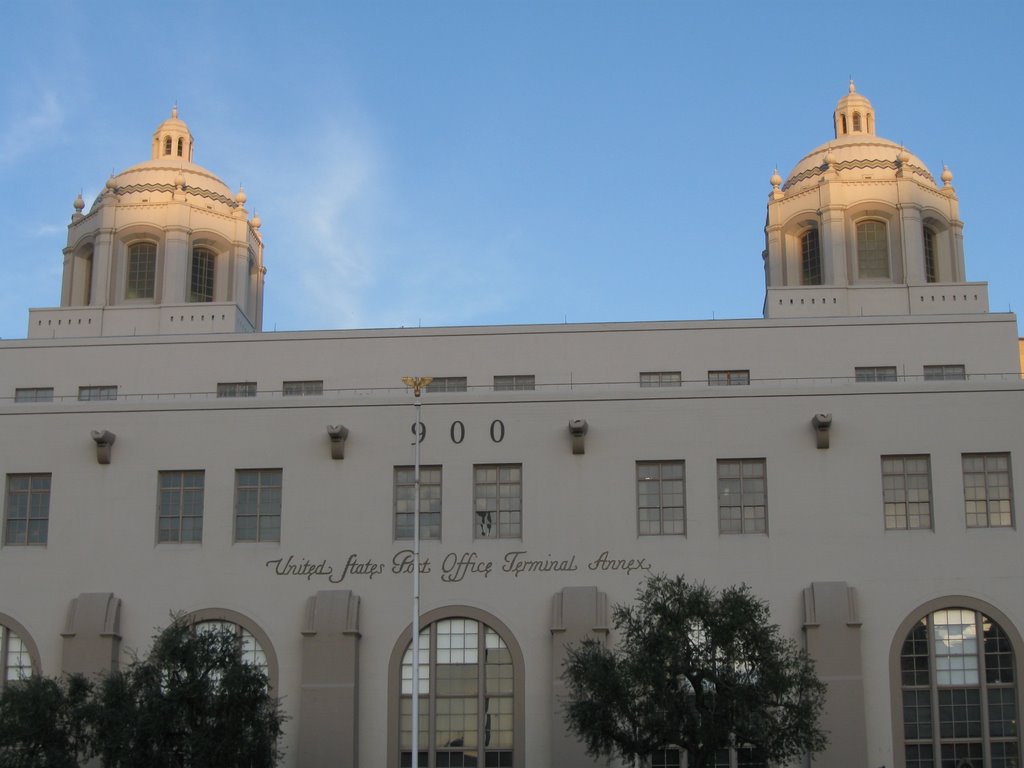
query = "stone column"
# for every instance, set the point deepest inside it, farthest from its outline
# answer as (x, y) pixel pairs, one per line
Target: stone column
(913, 244)
(833, 243)
(329, 701)
(104, 271)
(832, 629)
(92, 634)
(577, 613)
(177, 263)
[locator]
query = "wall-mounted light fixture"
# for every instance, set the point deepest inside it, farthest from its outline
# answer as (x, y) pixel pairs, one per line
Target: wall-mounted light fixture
(578, 429)
(104, 441)
(338, 435)
(822, 423)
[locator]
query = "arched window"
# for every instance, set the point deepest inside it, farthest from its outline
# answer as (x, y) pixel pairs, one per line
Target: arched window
(931, 265)
(252, 651)
(810, 258)
(181, 147)
(167, 145)
(201, 281)
(856, 122)
(845, 130)
(16, 655)
(872, 249)
(471, 709)
(254, 642)
(140, 279)
(958, 691)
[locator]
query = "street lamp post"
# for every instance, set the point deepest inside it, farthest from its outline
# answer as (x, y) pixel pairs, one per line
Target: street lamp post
(416, 383)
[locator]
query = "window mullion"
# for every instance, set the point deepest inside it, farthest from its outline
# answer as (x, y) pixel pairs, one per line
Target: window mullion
(481, 693)
(933, 685)
(986, 744)
(4, 634)
(431, 745)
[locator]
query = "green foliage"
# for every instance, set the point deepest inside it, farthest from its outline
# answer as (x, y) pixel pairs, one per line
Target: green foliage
(697, 669)
(43, 722)
(191, 703)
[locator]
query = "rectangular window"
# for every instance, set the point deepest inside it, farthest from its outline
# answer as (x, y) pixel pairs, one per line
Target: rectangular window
(944, 373)
(447, 384)
(728, 378)
(27, 516)
(907, 492)
(988, 494)
(203, 263)
(33, 395)
(101, 392)
(660, 497)
(661, 379)
(236, 389)
(141, 272)
(742, 496)
(510, 383)
(180, 514)
(430, 502)
(309, 388)
(498, 501)
(257, 505)
(875, 373)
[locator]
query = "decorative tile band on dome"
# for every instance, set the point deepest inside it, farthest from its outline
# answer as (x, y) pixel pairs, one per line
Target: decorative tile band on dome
(846, 164)
(198, 191)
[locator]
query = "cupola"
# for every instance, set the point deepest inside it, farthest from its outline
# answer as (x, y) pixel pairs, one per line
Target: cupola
(173, 139)
(854, 115)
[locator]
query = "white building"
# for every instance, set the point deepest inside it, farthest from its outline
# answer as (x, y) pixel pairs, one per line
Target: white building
(850, 456)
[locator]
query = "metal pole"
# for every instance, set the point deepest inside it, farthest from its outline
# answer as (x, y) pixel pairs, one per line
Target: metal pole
(416, 383)
(416, 593)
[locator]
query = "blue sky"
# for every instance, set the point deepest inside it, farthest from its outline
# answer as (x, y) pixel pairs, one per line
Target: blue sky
(479, 162)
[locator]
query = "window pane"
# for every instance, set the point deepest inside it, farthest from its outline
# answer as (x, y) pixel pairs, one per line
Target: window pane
(742, 496)
(27, 509)
(872, 250)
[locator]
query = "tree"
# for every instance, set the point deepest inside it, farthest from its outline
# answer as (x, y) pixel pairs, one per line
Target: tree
(696, 669)
(43, 722)
(192, 702)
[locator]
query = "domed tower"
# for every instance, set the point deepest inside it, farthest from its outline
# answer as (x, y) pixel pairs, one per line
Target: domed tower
(860, 227)
(166, 248)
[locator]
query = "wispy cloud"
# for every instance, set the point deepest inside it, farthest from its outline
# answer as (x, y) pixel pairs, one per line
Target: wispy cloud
(322, 257)
(31, 129)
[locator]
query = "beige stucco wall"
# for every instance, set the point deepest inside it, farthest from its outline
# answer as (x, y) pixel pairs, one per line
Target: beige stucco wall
(824, 506)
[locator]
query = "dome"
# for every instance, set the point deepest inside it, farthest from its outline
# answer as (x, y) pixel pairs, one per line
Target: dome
(856, 152)
(856, 157)
(158, 178)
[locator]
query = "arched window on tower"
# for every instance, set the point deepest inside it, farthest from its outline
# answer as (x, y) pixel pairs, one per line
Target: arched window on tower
(810, 258)
(140, 278)
(167, 145)
(181, 147)
(467, 710)
(931, 264)
(202, 275)
(856, 122)
(871, 123)
(872, 250)
(958, 687)
(845, 130)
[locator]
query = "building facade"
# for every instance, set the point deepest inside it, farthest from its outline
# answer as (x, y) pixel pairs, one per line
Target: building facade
(850, 456)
